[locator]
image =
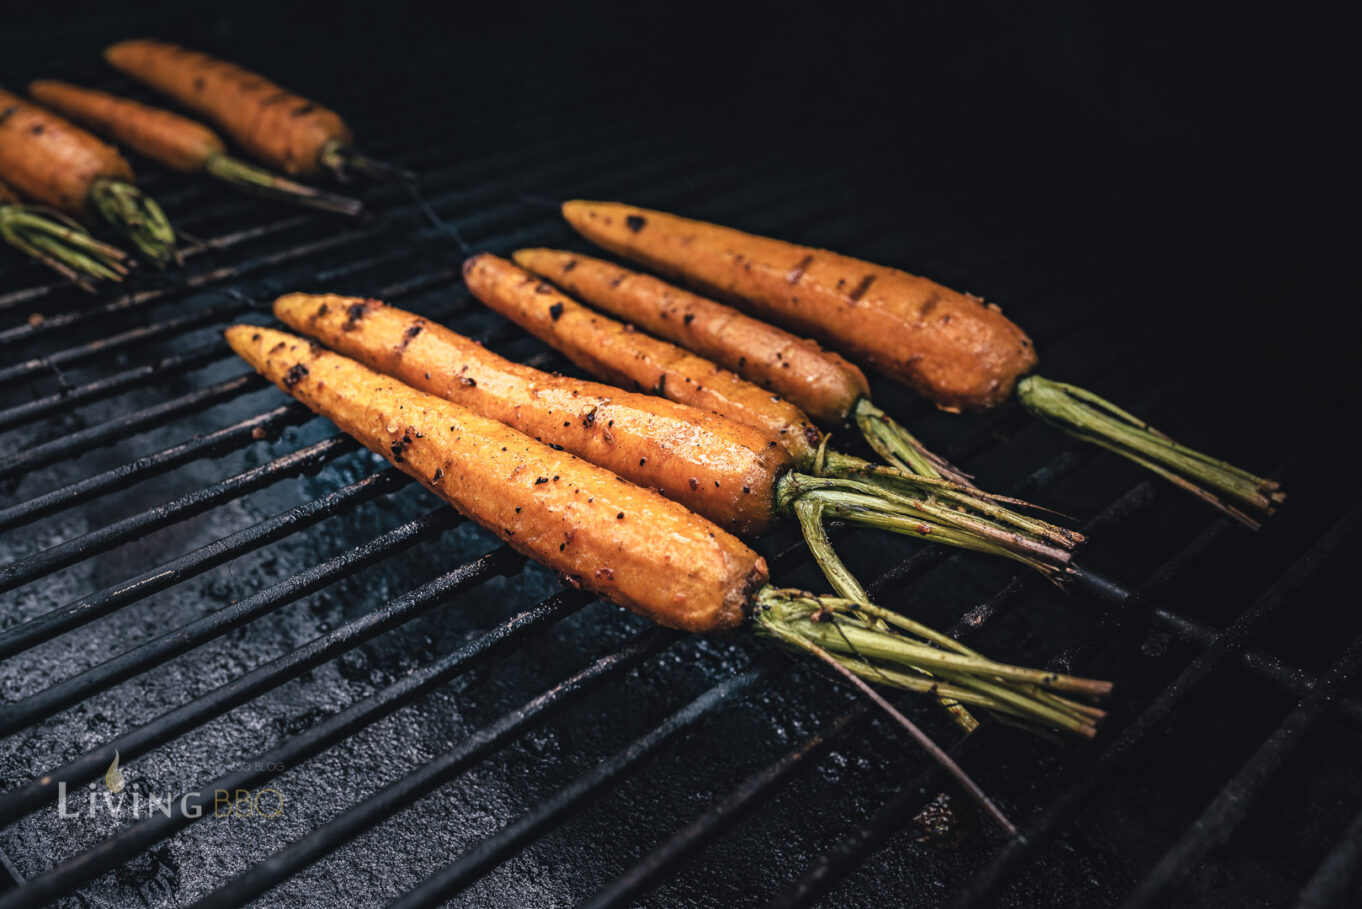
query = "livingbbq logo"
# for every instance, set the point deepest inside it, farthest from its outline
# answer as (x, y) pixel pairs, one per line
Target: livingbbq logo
(115, 798)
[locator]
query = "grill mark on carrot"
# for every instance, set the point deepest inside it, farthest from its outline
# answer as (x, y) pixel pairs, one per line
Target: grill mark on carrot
(798, 271)
(635, 223)
(929, 304)
(862, 288)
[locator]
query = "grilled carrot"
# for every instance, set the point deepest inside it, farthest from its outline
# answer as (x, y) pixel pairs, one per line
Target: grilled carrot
(727, 471)
(821, 383)
(634, 546)
(59, 242)
(176, 141)
(52, 162)
(286, 131)
(619, 355)
(831, 484)
(952, 348)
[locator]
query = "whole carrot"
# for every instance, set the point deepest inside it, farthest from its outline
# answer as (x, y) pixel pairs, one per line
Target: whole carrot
(635, 547)
(53, 162)
(286, 131)
(826, 484)
(59, 242)
(724, 470)
(824, 385)
(177, 142)
(952, 348)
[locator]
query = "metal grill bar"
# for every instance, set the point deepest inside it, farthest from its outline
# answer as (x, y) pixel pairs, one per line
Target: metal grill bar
(105, 538)
(685, 843)
(141, 836)
(139, 659)
(214, 444)
(91, 607)
(1328, 885)
(102, 434)
(402, 793)
(1220, 818)
(270, 675)
(985, 885)
(111, 385)
(498, 847)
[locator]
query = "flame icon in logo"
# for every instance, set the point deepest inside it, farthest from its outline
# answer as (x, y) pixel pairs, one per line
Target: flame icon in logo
(113, 777)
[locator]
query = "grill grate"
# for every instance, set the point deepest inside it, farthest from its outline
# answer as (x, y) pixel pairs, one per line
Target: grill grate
(208, 582)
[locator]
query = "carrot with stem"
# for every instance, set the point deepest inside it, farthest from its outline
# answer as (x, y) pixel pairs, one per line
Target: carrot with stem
(952, 348)
(59, 242)
(639, 549)
(823, 384)
(286, 131)
(826, 484)
(52, 162)
(734, 474)
(178, 143)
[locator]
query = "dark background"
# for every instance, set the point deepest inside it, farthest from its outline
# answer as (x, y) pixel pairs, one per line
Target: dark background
(1240, 126)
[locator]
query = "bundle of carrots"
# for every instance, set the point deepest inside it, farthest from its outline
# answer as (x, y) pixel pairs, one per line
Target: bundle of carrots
(54, 163)
(631, 544)
(177, 142)
(59, 242)
(288, 132)
(831, 484)
(743, 473)
(952, 348)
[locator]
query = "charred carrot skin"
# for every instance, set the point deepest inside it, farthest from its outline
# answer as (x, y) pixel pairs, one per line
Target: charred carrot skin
(819, 382)
(949, 347)
(280, 128)
(720, 469)
(167, 137)
(52, 161)
(626, 543)
(622, 356)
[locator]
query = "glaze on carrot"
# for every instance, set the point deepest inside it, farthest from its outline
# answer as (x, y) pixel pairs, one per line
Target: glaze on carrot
(824, 385)
(827, 483)
(724, 470)
(632, 545)
(175, 141)
(952, 348)
(285, 131)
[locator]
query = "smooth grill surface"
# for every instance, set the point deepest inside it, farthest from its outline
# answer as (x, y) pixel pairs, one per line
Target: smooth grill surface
(201, 577)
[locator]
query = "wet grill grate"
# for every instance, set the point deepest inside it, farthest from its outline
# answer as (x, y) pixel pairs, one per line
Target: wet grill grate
(204, 579)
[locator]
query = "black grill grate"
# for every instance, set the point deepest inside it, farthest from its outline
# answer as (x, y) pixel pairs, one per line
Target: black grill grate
(204, 579)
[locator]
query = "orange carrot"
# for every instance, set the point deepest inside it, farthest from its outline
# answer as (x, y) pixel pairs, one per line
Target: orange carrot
(55, 163)
(635, 547)
(286, 131)
(847, 487)
(175, 141)
(818, 381)
(952, 348)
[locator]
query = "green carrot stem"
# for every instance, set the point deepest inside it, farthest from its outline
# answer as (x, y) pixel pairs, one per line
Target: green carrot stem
(970, 498)
(865, 639)
(901, 448)
(1087, 416)
(810, 514)
(62, 245)
(261, 182)
(346, 162)
(924, 517)
(137, 217)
